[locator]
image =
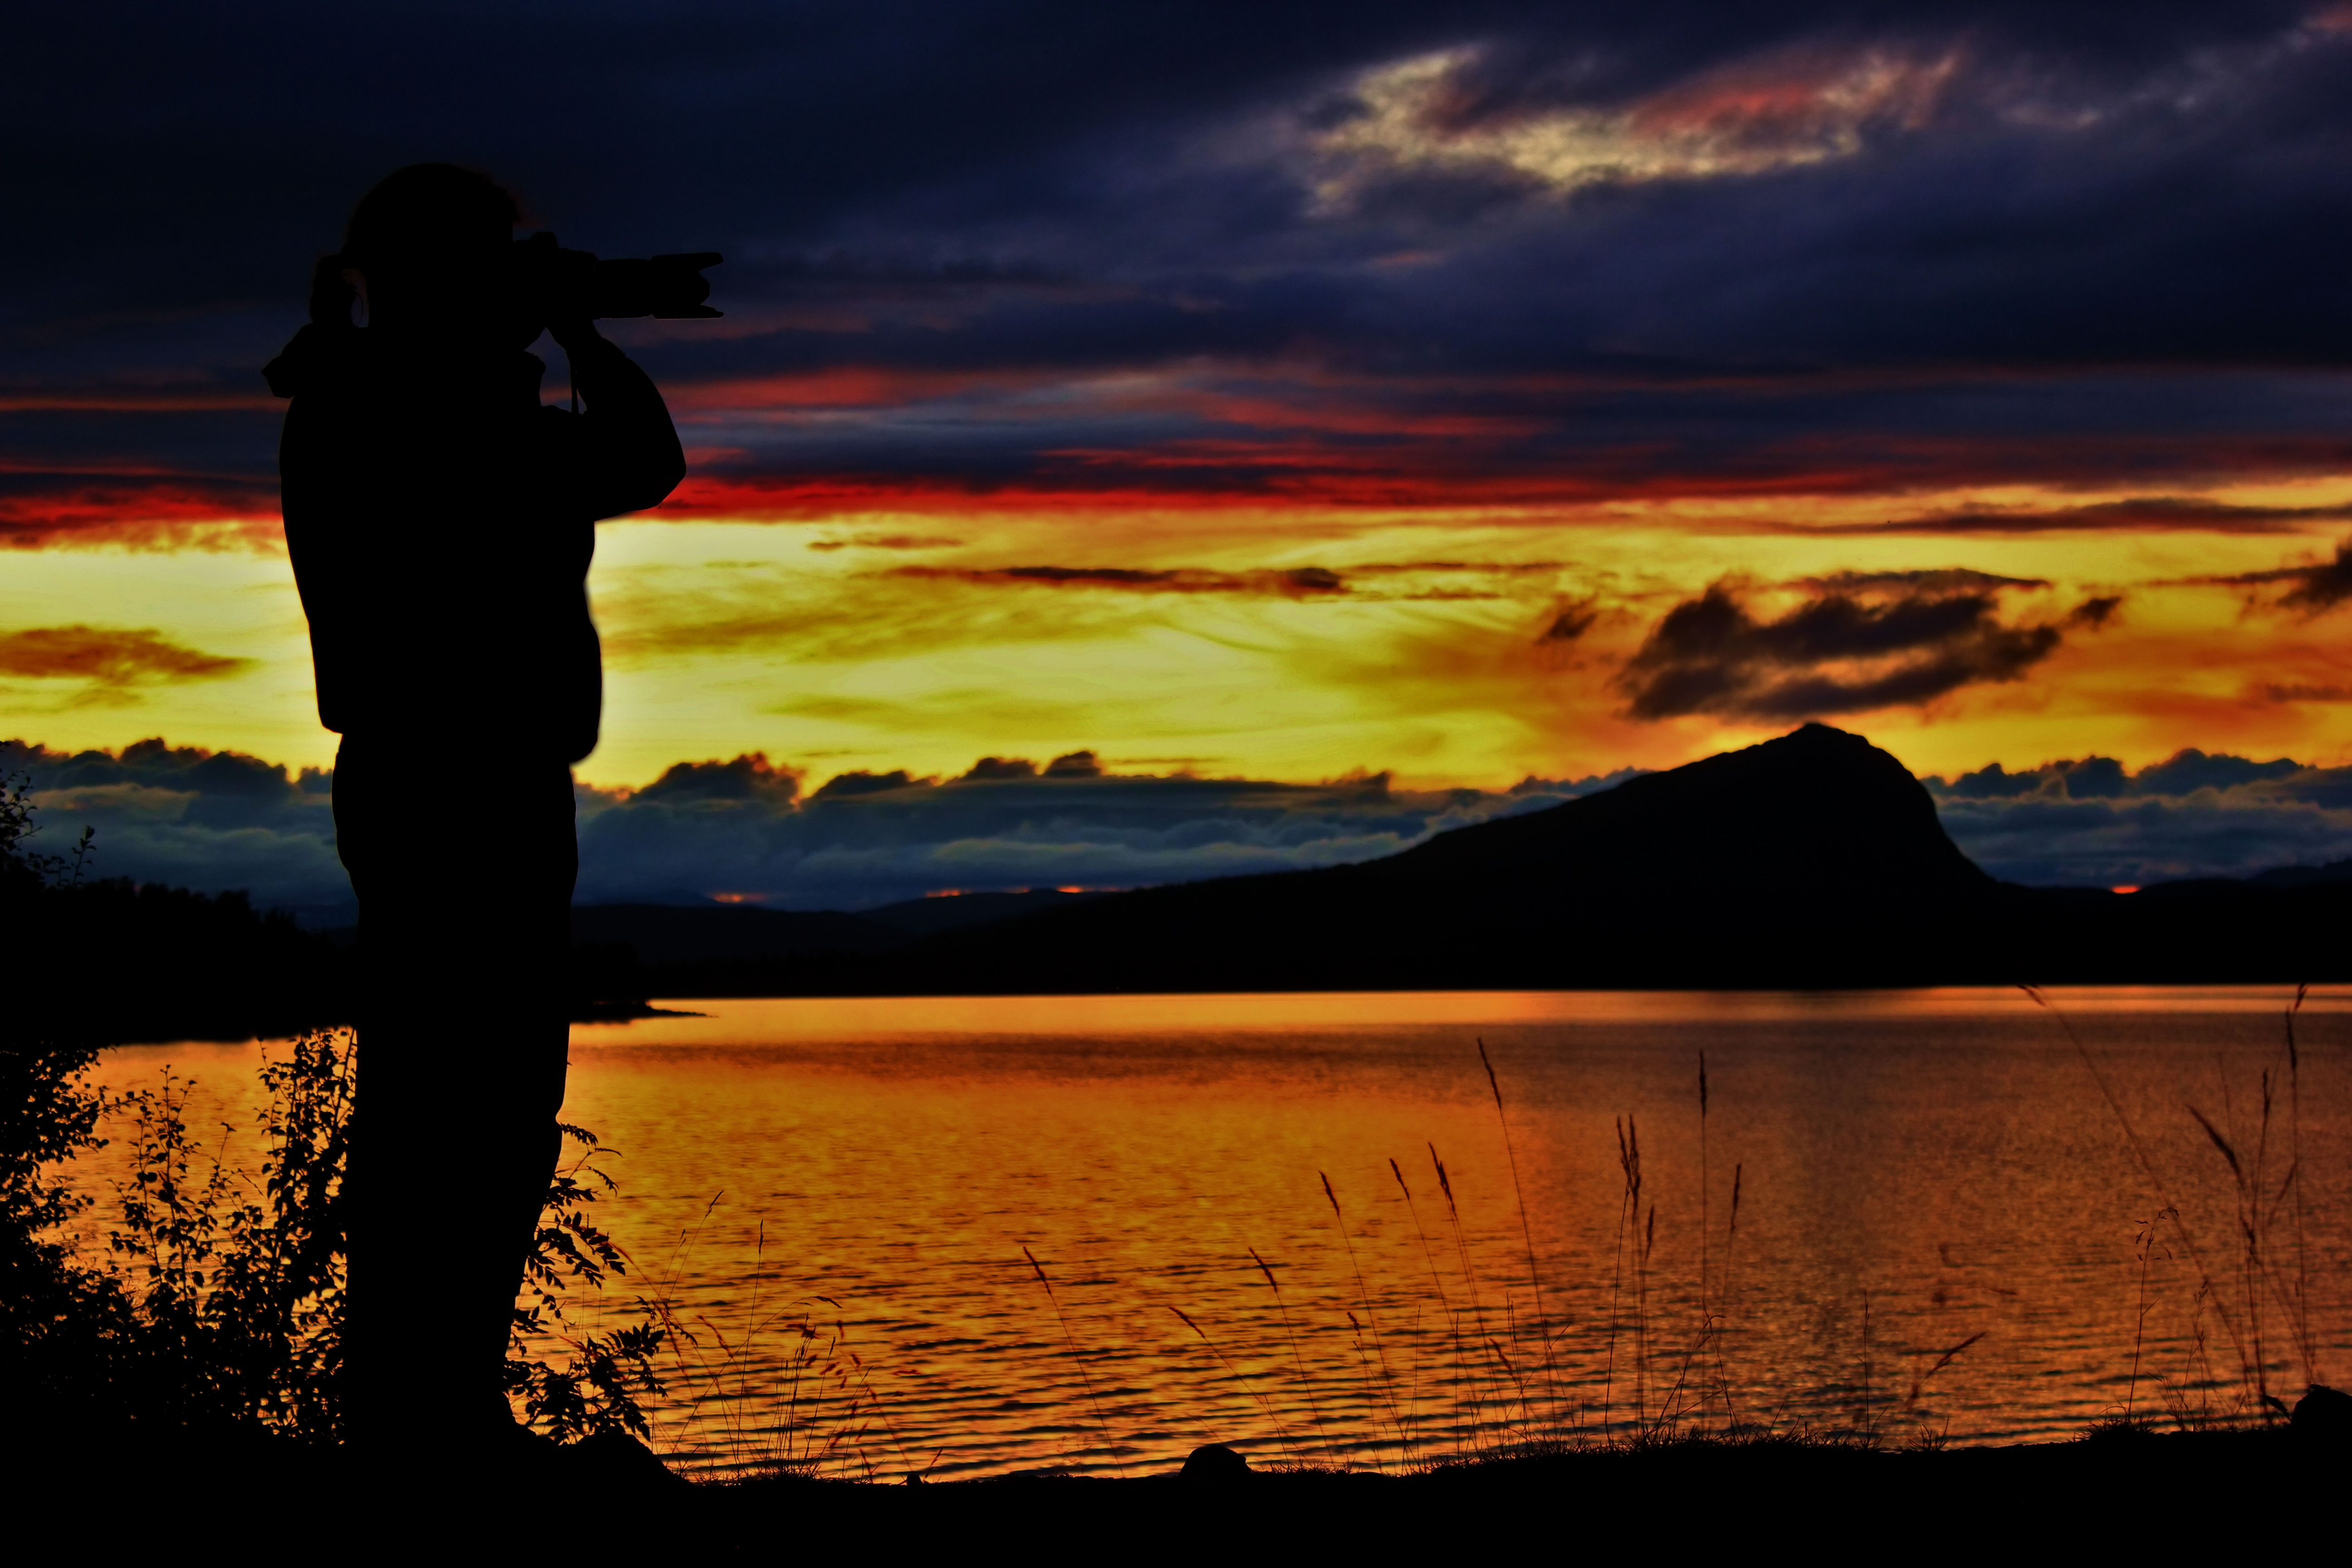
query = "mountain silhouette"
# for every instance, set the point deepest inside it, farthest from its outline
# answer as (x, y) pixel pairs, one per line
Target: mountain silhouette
(1812, 861)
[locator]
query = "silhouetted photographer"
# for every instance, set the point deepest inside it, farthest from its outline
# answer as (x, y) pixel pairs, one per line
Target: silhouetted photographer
(441, 520)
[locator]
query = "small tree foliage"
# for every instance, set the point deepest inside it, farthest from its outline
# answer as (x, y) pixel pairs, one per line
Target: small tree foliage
(239, 1282)
(221, 1295)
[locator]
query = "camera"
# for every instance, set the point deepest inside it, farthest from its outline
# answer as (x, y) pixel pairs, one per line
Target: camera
(553, 284)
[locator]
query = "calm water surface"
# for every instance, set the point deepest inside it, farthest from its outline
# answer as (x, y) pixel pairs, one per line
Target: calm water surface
(1936, 1207)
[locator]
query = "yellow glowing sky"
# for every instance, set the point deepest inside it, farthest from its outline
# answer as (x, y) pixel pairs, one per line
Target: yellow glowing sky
(727, 637)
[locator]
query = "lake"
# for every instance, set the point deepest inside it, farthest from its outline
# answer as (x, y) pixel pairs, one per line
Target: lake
(1918, 1213)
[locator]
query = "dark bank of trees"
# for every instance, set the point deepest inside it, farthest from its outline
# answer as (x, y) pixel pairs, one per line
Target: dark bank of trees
(193, 1301)
(107, 960)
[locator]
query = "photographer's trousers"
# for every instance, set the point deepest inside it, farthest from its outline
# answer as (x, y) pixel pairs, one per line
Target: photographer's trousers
(465, 886)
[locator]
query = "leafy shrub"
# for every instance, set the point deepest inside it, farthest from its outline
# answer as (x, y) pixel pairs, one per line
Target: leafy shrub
(221, 1295)
(237, 1285)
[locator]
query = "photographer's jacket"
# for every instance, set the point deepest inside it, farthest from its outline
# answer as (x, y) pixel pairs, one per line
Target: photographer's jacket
(441, 520)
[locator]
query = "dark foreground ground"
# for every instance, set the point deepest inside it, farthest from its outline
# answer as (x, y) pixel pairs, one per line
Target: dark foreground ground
(2274, 1492)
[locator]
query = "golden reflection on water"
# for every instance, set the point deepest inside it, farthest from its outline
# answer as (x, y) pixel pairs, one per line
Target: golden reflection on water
(837, 1194)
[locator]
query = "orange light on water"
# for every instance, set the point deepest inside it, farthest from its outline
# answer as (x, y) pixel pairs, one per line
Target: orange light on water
(740, 897)
(2133, 889)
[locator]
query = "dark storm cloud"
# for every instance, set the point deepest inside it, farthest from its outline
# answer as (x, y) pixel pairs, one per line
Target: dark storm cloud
(1840, 652)
(1970, 199)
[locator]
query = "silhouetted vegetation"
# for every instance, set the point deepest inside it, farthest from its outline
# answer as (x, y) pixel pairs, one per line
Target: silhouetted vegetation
(213, 1296)
(106, 961)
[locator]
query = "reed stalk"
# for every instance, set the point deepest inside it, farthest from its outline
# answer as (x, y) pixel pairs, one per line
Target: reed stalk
(2310, 1370)
(1363, 1297)
(1527, 1232)
(1616, 1292)
(1298, 1358)
(1281, 1431)
(2144, 1243)
(1641, 1323)
(1470, 1276)
(1730, 1242)
(2252, 1371)
(1075, 1356)
(2146, 1163)
(1866, 1420)
(1437, 1282)
(1706, 1317)
(742, 1365)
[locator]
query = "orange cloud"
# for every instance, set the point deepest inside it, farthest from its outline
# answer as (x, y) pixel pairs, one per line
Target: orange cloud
(111, 660)
(1297, 582)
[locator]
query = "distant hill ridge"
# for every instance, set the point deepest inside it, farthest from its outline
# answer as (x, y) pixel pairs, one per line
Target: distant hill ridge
(1813, 859)
(694, 933)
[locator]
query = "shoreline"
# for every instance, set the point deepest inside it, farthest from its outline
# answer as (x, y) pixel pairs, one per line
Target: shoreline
(2120, 1489)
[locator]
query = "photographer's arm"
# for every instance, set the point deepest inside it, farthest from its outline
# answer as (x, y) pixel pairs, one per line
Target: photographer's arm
(629, 446)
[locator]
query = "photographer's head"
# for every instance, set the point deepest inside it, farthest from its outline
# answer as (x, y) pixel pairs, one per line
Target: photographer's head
(430, 248)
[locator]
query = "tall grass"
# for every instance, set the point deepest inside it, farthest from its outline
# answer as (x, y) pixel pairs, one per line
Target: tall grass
(1526, 1231)
(1274, 1418)
(1364, 1297)
(2241, 1296)
(1078, 1356)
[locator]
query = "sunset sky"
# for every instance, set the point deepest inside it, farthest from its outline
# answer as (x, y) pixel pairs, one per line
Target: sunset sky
(1467, 393)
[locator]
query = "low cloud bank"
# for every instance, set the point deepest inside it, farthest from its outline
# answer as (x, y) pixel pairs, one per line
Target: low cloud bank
(192, 818)
(752, 830)
(2092, 823)
(748, 829)
(744, 830)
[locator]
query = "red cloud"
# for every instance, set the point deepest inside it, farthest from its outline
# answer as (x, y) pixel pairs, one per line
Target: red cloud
(163, 512)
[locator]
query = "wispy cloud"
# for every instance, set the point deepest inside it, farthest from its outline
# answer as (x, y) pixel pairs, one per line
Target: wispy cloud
(2310, 590)
(1292, 583)
(2136, 514)
(1752, 118)
(110, 664)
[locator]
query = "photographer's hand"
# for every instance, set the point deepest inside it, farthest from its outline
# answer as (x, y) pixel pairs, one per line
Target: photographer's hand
(633, 460)
(578, 338)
